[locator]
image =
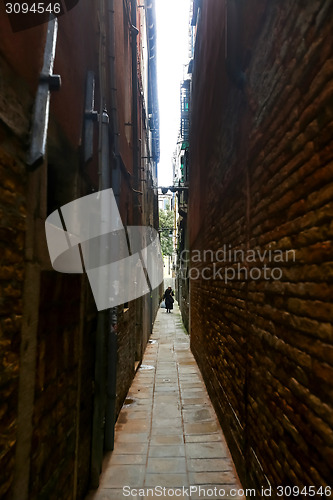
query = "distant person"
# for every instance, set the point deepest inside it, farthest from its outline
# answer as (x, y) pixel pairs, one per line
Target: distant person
(168, 298)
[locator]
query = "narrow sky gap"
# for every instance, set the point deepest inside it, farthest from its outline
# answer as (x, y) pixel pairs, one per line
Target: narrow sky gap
(172, 19)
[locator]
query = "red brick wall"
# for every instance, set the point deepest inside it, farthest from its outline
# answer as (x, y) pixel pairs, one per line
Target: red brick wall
(48, 320)
(40, 318)
(261, 177)
(56, 389)
(41, 327)
(12, 272)
(13, 216)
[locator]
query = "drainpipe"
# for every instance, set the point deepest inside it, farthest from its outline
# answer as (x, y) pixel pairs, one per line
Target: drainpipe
(135, 32)
(115, 182)
(136, 164)
(105, 356)
(116, 172)
(47, 82)
(111, 314)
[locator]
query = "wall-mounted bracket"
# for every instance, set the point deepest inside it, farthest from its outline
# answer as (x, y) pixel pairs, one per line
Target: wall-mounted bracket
(53, 81)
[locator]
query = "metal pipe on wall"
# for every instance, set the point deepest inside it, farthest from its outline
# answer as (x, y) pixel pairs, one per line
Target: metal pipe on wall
(134, 32)
(101, 350)
(115, 182)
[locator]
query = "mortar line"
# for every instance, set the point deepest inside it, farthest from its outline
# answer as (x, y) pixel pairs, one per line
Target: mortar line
(181, 407)
(152, 414)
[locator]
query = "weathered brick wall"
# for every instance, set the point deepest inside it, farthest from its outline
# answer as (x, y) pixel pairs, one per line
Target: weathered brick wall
(55, 418)
(261, 178)
(12, 234)
(52, 379)
(125, 353)
(45, 389)
(13, 212)
(85, 399)
(134, 329)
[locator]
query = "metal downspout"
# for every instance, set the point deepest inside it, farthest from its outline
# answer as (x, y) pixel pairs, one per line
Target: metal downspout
(111, 318)
(115, 182)
(47, 82)
(116, 172)
(135, 32)
(102, 361)
(136, 190)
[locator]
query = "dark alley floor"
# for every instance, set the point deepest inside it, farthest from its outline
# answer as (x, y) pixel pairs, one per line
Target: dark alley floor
(168, 436)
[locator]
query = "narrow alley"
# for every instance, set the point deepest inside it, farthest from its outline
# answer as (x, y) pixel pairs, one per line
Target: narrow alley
(166, 153)
(167, 437)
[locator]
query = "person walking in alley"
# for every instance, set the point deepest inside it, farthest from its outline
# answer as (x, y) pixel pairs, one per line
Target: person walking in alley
(168, 297)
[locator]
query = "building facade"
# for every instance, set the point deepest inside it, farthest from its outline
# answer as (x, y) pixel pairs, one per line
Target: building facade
(182, 175)
(66, 368)
(260, 182)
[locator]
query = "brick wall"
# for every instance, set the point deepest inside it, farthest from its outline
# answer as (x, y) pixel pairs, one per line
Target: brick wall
(261, 178)
(13, 215)
(12, 272)
(125, 353)
(52, 376)
(45, 375)
(55, 402)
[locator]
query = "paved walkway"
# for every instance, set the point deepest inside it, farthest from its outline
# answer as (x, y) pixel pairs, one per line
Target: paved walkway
(167, 434)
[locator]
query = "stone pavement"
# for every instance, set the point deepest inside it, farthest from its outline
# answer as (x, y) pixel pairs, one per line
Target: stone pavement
(167, 434)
